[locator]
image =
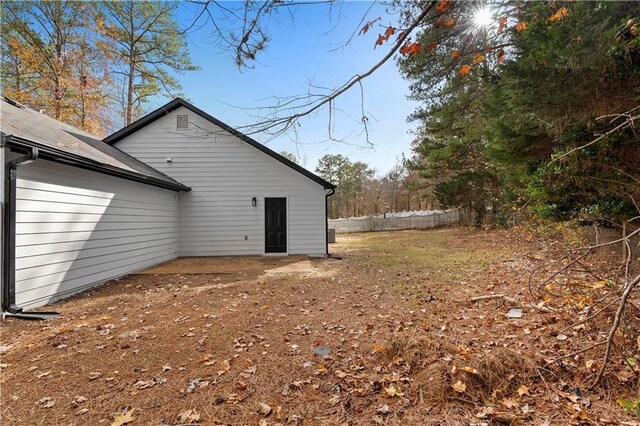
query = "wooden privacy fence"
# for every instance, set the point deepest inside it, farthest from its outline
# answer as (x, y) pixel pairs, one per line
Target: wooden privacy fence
(392, 222)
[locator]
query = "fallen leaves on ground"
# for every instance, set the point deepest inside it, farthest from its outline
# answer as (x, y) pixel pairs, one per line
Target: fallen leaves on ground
(120, 419)
(384, 336)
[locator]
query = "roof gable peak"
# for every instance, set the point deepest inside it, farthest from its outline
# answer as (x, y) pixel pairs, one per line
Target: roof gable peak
(179, 102)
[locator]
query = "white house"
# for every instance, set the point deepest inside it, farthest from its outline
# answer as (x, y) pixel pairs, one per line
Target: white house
(78, 211)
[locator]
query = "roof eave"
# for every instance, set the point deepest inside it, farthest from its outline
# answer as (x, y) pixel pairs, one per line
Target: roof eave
(63, 157)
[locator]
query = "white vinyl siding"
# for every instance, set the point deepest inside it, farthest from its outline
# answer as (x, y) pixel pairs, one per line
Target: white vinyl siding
(76, 229)
(225, 173)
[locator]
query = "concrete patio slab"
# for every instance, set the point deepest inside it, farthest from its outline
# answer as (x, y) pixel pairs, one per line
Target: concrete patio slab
(300, 267)
(223, 265)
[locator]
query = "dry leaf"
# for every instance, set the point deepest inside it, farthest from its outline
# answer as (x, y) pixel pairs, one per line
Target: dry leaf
(389, 32)
(46, 402)
(471, 370)
(464, 70)
(94, 375)
(484, 412)
(509, 402)
(368, 25)
(521, 26)
(443, 5)
(523, 390)
(559, 15)
(450, 22)
(393, 391)
(264, 409)
(456, 54)
(502, 24)
(144, 384)
(79, 399)
(189, 416)
(478, 58)
(278, 412)
(121, 419)
(383, 409)
(459, 387)
(240, 385)
(335, 399)
(581, 414)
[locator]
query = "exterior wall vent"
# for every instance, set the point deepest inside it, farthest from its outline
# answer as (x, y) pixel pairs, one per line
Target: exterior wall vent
(182, 122)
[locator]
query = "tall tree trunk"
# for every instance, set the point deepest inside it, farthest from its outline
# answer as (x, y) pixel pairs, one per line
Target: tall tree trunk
(57, 100)
(132, 67)
(83, 93)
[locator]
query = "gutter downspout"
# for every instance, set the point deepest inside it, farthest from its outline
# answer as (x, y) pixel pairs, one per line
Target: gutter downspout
(9, 307)
(326, 219)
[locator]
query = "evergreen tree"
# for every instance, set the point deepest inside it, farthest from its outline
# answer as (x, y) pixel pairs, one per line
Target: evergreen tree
(491, 127)
(547, 99)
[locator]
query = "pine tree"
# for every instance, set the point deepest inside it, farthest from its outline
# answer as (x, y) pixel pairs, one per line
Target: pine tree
(146, 46)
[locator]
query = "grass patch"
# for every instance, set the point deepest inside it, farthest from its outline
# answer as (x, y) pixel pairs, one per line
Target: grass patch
(444, 253)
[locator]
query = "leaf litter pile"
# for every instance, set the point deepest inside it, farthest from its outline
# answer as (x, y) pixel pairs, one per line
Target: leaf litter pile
(397, 332)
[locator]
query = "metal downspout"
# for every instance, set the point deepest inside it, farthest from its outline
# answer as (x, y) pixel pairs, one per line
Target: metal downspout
(326, 219)
(9, 307)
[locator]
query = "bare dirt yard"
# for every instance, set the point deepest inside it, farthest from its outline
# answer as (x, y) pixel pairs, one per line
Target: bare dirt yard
(385, 335)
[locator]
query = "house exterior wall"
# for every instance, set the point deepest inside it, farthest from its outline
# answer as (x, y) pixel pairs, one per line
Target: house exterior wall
(225, 173)
(78, 228)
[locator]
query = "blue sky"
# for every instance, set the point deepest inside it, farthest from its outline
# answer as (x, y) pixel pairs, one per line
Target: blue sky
(303, 50)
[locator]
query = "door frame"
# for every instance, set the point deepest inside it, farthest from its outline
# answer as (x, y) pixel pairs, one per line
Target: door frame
(264, 225)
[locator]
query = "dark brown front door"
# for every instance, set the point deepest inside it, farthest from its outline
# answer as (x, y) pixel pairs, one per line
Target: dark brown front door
(275, 222)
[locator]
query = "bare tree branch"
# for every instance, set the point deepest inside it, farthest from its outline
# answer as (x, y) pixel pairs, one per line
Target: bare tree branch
(629, 121)
(279, 124)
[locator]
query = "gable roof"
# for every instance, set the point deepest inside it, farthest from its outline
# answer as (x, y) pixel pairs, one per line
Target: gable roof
(177, 103)
(60, 142)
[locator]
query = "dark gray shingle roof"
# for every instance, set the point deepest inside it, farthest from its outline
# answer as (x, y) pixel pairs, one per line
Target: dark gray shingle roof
(25, 123)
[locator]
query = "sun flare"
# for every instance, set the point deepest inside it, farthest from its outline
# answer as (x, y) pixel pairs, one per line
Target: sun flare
(483, 17)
